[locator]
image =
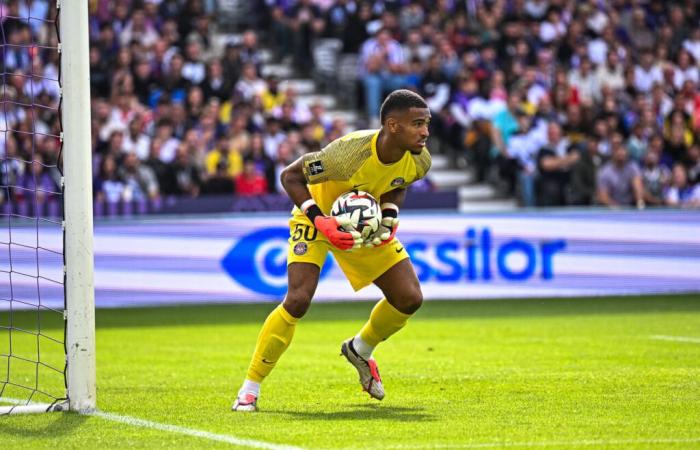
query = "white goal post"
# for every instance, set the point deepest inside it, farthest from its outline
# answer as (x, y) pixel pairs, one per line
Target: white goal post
(78, 232)
(79, 312)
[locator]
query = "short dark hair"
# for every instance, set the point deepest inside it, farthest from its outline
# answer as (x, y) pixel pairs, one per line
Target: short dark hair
(398, 100)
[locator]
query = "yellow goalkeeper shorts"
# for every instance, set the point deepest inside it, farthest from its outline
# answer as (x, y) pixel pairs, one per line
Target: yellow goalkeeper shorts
(361, 266)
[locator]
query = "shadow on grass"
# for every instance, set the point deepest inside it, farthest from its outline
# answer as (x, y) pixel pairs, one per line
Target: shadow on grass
(48, 425)
(361, 412)
(359, 311)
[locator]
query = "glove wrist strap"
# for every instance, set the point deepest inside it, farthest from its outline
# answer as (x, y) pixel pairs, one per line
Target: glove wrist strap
(390, 210)
(311, 209)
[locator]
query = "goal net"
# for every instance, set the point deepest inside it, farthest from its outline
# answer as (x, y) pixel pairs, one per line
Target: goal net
(39, 149)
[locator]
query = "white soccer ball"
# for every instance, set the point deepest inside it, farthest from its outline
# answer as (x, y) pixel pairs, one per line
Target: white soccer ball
(360, 210)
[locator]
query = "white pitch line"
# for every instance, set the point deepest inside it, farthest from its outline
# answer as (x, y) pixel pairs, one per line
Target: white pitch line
(133, 421)
(136, 422)
(600, 442)
(690, 340)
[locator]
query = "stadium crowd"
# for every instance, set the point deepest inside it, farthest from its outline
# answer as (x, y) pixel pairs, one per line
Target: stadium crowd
(559, 102)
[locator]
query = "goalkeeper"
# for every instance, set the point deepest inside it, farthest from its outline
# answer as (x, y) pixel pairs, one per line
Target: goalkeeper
(382, 162)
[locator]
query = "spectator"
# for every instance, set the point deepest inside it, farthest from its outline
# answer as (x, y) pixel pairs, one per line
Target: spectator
(306, 23)
(554, 162)
(182, 177)
(226, 156)
(611, 73)
(164, 132)
(521, 155)
(582, 185)
(250, 182)
(154, 162)
(637, 144)
(686, 70)
(249, 85)
(655, 179)
(272, 136)
(646, 73)
(107, 187)
(138, 29)
(135, 140)
(249, 51)
(272, 97)
(584, 81)
(193, 69)
(220, 182)
(263, 163)
(680, 193)
(281, 33)
(619, 181)
(216, 84)
(140, 181)
(382, 68)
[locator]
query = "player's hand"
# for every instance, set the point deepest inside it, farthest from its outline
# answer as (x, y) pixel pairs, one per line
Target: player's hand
(331, 228)
(385, 233)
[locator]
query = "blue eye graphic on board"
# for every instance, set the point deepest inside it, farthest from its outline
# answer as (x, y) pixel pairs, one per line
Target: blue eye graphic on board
(258, 261)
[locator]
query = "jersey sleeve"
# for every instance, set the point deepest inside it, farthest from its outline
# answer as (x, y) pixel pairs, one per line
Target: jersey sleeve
(338, 161)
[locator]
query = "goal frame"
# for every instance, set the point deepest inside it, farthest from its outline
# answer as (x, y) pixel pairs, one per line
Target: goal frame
(77, 206)
(79, 313)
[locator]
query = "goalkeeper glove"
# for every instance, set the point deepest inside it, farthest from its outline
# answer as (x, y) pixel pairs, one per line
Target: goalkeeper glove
(331, 227)
(387, 229)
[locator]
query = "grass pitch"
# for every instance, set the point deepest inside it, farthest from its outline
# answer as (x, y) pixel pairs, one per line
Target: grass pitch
(584, 373)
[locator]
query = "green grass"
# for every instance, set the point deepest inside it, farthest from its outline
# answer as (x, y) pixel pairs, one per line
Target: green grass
(556, 373)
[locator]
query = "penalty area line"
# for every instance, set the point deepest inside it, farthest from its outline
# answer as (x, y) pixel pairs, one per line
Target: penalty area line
(136, 422)
(689, 340)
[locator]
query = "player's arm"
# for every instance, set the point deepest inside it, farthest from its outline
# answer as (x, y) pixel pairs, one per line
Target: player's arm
(294, 182)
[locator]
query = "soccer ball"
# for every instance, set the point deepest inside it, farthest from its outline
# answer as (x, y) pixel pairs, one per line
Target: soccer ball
(361, 210)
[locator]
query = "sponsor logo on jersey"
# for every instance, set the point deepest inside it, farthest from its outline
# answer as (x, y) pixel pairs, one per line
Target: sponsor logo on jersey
(316, 167)
(398, 181)
(300, 248)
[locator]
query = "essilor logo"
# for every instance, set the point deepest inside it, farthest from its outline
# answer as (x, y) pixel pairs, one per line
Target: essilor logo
(258, 261)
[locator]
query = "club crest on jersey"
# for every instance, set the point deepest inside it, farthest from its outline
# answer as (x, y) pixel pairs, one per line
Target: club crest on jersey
(316, 167)
(300, 248)
(398, 181)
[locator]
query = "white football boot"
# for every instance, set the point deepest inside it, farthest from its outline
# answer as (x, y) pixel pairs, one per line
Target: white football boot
(367, 369)
(247, 403)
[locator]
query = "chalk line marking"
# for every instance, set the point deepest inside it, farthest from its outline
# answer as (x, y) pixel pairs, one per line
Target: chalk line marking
(661, 337)
(581, 443)
(136, 422)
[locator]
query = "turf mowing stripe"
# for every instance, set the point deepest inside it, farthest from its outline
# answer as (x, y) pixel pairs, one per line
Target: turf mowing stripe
(192, 432)
(582, 443)
(691, 340)
(176, 429)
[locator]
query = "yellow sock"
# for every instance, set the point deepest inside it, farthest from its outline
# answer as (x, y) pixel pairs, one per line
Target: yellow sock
(384, 321)
(273, 340)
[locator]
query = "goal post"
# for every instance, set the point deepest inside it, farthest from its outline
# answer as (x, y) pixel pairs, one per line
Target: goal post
(78, 227)
(47, 304)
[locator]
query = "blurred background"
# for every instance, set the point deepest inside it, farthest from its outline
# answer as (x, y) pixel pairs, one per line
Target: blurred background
(198, 104)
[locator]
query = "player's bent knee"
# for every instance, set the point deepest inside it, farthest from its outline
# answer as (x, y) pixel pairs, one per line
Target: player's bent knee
(297, 303)
(414, 301)
(410, 301)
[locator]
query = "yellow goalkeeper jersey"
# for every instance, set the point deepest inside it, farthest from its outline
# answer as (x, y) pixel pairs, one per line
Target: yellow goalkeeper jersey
(351, 162)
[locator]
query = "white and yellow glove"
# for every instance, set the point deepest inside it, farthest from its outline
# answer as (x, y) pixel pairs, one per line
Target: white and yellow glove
(387, 228)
